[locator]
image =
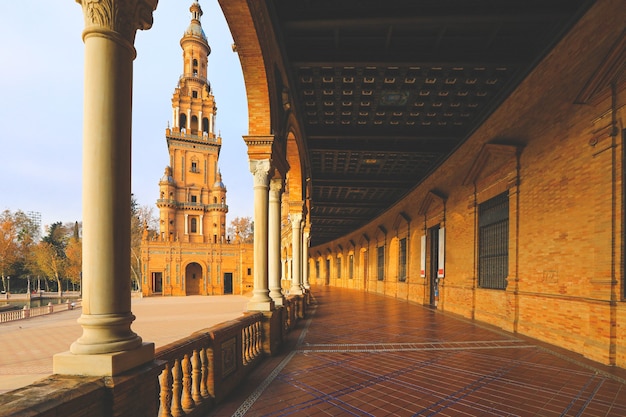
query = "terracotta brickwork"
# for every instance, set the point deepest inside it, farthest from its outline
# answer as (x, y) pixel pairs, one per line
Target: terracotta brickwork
(560, 161)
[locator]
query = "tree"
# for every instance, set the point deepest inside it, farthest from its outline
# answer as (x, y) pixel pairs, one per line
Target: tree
(74, 256)
(18, 233)
(242, 229)
(141, 219)
(50, 256)
(50, 261)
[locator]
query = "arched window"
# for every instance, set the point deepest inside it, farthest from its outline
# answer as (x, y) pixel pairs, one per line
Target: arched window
(195, 67)
(182, 121)
(194, 124)
(194, 225)
(214, 200)
(205, 124)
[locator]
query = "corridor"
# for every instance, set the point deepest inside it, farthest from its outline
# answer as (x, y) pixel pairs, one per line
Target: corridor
(362, 354)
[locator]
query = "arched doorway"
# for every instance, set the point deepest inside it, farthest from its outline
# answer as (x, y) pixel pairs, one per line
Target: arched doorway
(193, 279)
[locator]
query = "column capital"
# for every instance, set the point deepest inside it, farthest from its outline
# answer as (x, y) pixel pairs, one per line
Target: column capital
(296, 218)
(276, 184)
(117, 18)
(260, 169)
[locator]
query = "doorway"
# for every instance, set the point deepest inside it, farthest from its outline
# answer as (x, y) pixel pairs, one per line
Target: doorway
(228, 282)
(157, 282)
(193, 279)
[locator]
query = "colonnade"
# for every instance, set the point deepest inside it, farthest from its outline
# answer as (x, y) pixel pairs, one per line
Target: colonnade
(268, 192)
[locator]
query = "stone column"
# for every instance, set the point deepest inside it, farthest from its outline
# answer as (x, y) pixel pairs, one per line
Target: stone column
(305, 259)
(296, 241)
(273, 260)
(260, 300)
(107, 346)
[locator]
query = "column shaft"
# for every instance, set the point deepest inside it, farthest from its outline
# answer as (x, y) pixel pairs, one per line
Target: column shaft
(274, 265)
(260, 300)
(305, 259)
(296, 242)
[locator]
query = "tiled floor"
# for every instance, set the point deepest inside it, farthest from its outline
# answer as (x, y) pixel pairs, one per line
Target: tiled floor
(360, 354)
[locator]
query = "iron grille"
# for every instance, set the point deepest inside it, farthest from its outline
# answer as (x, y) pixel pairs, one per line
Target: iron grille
(493, 242)
(381, 263)
(402, 260)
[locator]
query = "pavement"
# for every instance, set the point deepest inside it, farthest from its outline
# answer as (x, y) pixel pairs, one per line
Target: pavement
(27, 346)
(364, 354)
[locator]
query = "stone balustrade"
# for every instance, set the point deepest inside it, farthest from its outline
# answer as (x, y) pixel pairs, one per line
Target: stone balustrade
(187, 377)
(26, 312)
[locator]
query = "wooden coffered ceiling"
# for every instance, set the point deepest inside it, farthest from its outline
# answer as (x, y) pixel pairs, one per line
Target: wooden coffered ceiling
(387, 90)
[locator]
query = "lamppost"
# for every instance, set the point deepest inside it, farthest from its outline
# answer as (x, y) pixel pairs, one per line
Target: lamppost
(8, 285)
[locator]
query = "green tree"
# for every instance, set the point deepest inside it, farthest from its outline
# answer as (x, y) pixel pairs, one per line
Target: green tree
(74, 256)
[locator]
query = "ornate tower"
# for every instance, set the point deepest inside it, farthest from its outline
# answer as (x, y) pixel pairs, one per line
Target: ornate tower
(192, 202)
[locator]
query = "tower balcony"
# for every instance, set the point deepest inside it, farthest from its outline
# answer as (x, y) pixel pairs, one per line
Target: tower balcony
(193, 136)
(194, 78)
(166, 202)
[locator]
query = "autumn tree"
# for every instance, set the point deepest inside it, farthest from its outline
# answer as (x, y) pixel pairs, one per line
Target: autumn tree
(242, 229)
(18, 234)
(49, 254)
(141, 219)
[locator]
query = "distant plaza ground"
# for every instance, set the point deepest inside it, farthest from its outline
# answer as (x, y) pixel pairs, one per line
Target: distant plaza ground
(28, 345)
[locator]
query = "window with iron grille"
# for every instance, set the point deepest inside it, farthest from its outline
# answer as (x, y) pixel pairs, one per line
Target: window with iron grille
(381, 263)
(338, 267)
(493, 242)
(350, 266)
(402, 260)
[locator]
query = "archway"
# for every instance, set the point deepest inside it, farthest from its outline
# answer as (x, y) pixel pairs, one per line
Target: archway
(193, 279)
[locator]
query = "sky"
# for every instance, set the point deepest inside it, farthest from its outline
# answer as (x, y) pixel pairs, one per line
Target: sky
(41, 105)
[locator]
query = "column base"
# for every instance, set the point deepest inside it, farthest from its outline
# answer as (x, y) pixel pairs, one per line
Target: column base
(296, 290)
(103, 364)
(260, 305)
(279, 301)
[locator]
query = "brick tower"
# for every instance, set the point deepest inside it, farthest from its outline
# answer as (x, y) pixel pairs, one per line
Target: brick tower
(192, 203)
(191, 254)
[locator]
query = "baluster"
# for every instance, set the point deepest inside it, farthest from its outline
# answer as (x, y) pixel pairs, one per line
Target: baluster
(204, 373)
(165, 382)
(252, 341)
(187, 400)
(177, 410)
(244, 347)
(210, 380)
(196, 376)
(258, 342)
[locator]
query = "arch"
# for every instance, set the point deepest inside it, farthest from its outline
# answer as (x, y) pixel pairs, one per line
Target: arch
(182, 121)
(195, 67)
(244, 31)
(205, 124)
(194, 124)
(297, 185)
(194, 283)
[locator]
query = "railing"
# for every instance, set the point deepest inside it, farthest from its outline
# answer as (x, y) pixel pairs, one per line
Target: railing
(27, 312)
(198, 367)
(184, 135)
(192, 205)
(187, 377)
